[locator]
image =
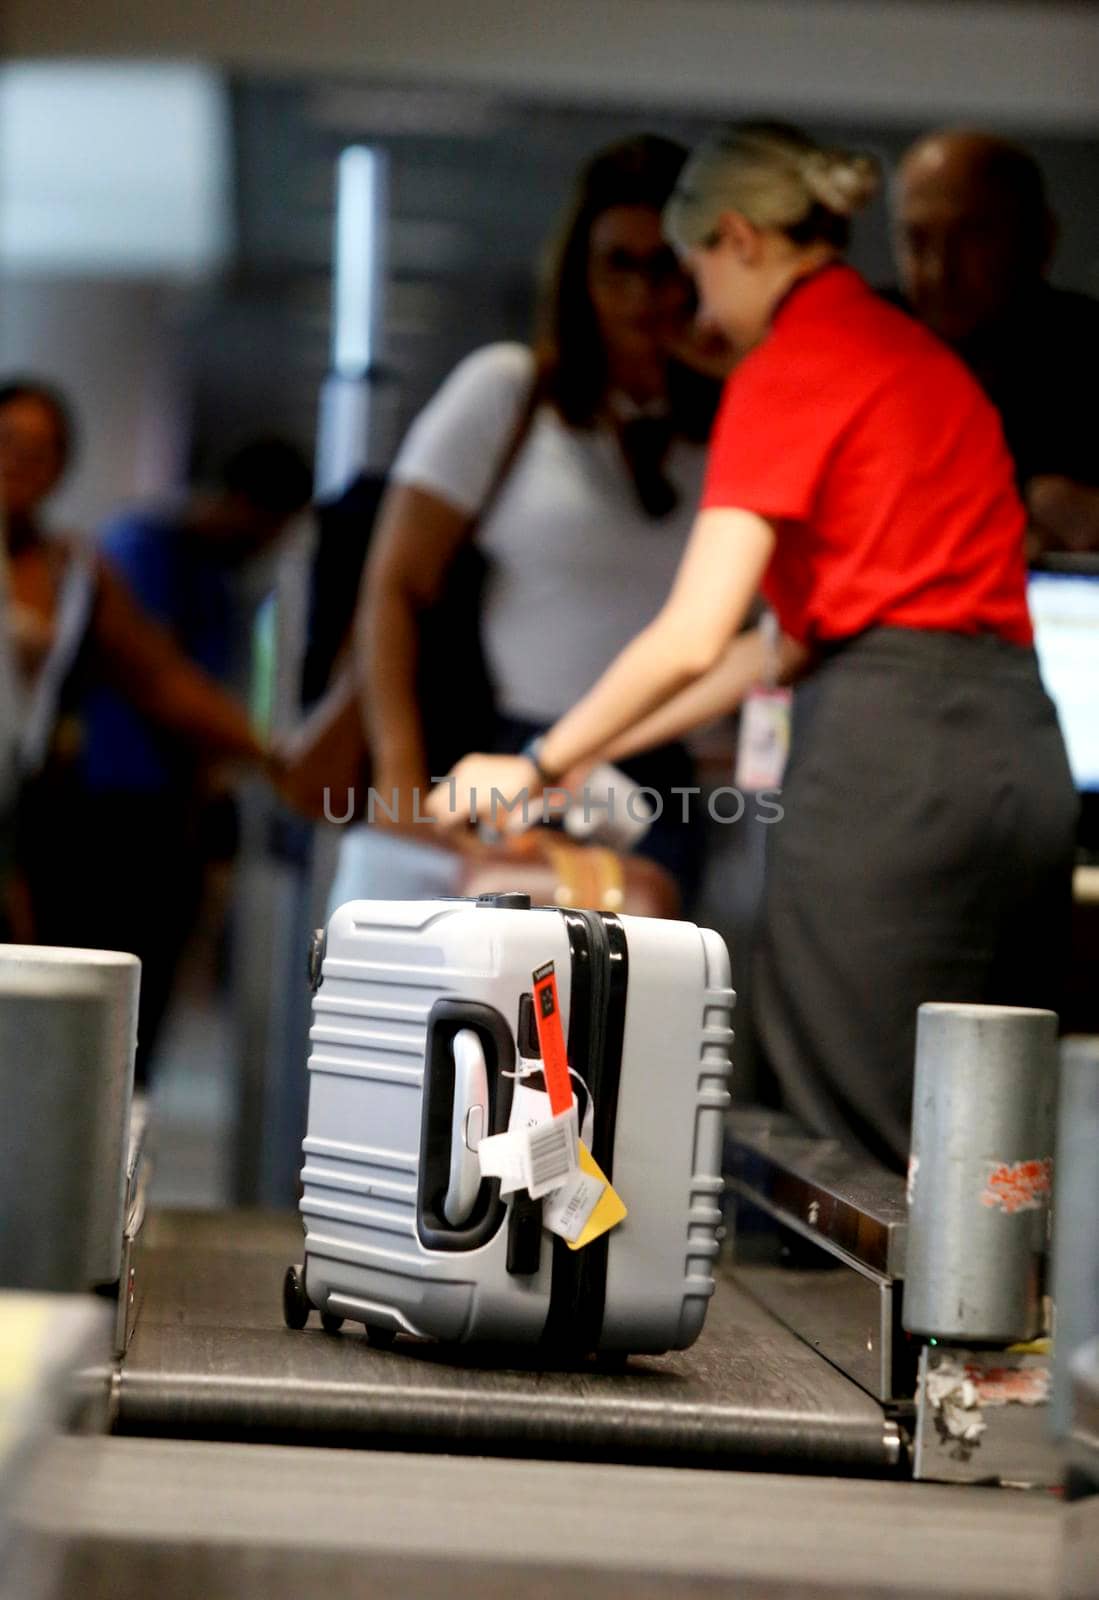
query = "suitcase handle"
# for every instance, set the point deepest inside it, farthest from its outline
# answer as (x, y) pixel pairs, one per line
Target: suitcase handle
(468, 1126)
(442, 1120)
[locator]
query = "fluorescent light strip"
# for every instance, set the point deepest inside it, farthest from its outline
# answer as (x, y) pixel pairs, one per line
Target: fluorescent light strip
(361, 196)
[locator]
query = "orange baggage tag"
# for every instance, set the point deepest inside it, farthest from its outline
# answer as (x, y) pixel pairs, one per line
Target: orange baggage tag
(551, 1039)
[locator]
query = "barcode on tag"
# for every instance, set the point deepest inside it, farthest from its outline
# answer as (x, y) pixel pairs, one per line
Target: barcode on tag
(551, 1153)
(550, 1156)
(567, 1211)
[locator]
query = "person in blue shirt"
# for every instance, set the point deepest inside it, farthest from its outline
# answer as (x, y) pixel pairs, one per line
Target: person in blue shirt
(180, 563)
(142, 787)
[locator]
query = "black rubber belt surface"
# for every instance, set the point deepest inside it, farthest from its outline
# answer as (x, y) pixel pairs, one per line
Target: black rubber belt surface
(211, 1359)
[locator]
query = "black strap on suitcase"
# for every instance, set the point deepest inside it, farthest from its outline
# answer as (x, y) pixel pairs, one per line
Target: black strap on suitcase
(597, 1017)
(597, 1021)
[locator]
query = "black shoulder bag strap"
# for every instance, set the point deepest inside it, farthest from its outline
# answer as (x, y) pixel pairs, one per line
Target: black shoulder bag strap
(455, 691)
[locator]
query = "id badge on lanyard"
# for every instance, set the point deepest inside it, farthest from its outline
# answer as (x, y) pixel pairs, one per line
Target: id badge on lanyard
(764, 741)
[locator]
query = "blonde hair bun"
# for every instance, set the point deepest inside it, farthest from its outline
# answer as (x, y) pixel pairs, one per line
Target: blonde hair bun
(776, 177)
(841, 182)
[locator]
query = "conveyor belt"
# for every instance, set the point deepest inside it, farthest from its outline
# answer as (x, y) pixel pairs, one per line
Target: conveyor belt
(211, 1359)
(173, 1520)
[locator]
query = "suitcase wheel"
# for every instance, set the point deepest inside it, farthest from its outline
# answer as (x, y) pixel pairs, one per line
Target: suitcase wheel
(295, 1304)
(612, 1361)
(330, 1322)
(378, 1337)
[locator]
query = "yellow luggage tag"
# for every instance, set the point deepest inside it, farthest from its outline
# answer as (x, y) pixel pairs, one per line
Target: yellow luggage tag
(584, 1207)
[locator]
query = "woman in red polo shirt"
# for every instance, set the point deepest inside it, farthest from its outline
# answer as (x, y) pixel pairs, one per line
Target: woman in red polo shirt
(858, 475)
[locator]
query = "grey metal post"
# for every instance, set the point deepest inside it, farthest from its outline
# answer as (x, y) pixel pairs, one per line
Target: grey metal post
(281, 899)
(68, 1028)
(1076, 1208)
(981, 1171)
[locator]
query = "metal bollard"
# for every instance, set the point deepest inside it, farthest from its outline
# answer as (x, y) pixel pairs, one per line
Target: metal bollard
(980, 1173)
(68, 1030)
(1075, 1250)
(1080, 1518)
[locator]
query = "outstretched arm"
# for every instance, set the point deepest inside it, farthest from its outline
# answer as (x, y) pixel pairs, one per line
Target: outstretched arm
(752, 659)
(141, 660)
(725, 559)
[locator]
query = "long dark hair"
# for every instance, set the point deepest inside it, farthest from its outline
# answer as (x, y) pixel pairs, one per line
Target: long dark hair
(571, 361)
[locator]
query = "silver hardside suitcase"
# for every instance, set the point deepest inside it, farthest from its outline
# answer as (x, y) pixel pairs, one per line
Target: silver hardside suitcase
(646, 1006)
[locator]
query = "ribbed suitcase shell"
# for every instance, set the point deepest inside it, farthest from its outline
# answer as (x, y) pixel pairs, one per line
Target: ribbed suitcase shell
(386, 964)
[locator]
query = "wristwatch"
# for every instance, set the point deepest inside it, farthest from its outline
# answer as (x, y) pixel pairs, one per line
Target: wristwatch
(532, 750)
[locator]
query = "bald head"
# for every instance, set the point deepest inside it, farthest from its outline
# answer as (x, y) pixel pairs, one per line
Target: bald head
(971, 229)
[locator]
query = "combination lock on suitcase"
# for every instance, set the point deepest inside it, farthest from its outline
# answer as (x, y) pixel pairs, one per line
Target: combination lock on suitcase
(421, 1012)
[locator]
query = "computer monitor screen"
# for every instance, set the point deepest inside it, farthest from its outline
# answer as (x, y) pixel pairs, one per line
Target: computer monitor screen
(1065, 610)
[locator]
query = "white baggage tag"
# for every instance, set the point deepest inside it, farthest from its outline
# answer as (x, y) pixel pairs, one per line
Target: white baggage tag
(764, 740)
(517, 1157)
(550, 1153)
(568, 1211)
(539, 1158)
(529, 1107)
(499, 1158)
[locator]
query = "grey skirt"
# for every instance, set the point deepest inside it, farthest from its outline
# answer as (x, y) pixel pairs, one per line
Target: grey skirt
(925, 853)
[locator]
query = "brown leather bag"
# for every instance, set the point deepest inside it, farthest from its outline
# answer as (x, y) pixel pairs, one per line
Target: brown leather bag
(542, 863)
(556, 872)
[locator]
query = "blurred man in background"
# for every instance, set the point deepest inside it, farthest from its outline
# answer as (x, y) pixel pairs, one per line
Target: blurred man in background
(974, 237)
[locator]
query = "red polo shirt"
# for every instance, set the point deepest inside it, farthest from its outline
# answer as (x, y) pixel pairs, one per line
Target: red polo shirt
(883, 467)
